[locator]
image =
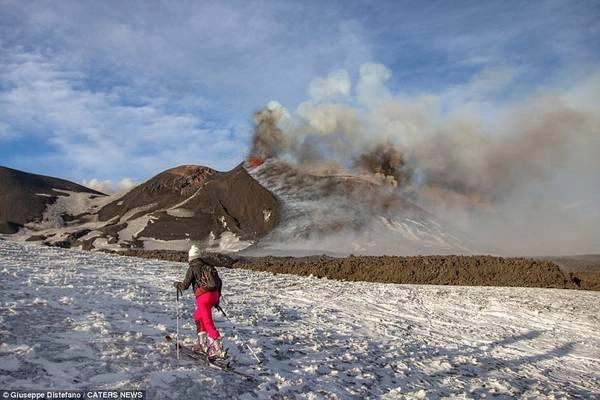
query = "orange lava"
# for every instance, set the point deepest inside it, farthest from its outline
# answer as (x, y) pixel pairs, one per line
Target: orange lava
(255, 161)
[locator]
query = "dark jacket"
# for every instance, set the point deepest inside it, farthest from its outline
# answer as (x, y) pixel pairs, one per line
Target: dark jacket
(197, 275)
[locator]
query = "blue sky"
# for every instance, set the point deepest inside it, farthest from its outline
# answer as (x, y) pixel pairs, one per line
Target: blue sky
(111, 90)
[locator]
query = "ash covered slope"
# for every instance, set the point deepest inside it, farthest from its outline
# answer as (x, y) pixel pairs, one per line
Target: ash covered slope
(25, 196)
(84, 320)
(192, 203)
(340, 214)
(161, 191)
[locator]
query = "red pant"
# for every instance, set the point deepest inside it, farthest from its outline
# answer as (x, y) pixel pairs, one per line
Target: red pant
(203, 315)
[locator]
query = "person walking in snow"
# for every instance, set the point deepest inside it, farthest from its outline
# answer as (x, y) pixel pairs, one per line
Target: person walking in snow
(207, 285)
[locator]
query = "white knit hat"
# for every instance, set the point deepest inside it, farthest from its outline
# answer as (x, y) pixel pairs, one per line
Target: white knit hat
(193, 253)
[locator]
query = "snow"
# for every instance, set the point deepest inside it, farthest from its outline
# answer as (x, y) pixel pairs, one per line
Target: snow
(267, 215)
(68, 202)
(102, 244)
(228, 242)
(134, 227)
(72, 320)
(54, 227)
(180, 212)
(231, 243)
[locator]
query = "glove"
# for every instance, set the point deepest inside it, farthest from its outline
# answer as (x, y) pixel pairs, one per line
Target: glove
(176, 285)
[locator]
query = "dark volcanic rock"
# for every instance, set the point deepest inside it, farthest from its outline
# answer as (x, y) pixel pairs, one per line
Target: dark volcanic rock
(36, 238)
(437, 270)
(207, 200)
(79, 234)
(168, 255)
(480, 270)
(9, 227)
(164, 190)
(113, 229)
(25, 196)
(168, 227)
(65, 244)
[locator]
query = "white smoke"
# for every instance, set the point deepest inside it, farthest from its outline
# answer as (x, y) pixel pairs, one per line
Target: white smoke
(336, 84)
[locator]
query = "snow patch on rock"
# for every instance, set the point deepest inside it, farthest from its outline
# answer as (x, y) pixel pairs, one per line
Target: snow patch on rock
(228, 242)
(180, 212)
(267, 215)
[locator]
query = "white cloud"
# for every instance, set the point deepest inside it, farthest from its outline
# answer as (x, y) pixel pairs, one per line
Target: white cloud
(106, 95)
(105, 186)
(215, 48)
(123, 94)
(125, 184)
(108, 186)
(96, 131)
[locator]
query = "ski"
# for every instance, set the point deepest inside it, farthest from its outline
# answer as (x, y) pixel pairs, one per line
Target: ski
(223, 365)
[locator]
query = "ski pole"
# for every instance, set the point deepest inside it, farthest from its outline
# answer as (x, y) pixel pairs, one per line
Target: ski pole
(236, 331)
(177, 335)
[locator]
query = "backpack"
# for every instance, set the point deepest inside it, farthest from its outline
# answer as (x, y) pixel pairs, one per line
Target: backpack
(213, 281)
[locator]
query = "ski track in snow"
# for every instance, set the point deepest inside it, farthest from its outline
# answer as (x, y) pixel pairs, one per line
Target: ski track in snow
(77, 320)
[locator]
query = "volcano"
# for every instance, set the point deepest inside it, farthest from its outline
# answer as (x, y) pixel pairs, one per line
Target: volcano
(271, 207)
(343, 214)
(225, 210)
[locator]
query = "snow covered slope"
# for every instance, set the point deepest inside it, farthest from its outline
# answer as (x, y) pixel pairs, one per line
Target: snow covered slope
(222, 211)
(72, 319)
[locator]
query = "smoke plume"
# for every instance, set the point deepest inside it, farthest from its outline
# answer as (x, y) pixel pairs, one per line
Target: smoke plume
(503, 171)
(268, 139)
(386, 161)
